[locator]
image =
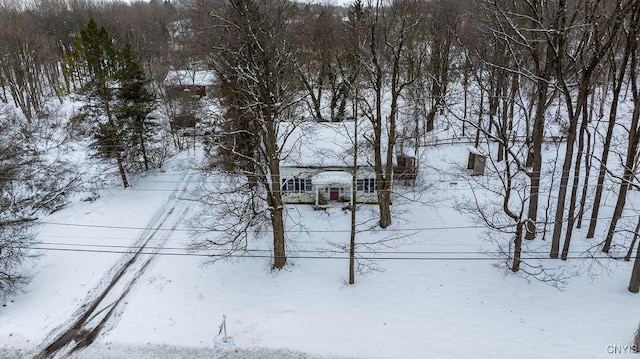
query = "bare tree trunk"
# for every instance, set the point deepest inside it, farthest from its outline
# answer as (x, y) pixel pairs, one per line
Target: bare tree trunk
(395, 49)
(274, 195)
(574, 189)
(613, 24)
(549, 197)
(279, 251)
(316, 99)
(354, 173)
(632, 148)
(504, 127)
(626, 177)
(123, 174)
(562, 190)
(143, 148)
(272, 185)
(618, 81)
(566, 166)
(480, 112)
(115, 150)
(502, 108)
(537, 139)
(465, 86)
(634, 283)
(585, 185)
(352, 239)
(636, 233)
(517, 249)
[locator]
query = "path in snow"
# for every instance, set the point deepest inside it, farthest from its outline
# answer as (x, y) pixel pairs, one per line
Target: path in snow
(95, 314)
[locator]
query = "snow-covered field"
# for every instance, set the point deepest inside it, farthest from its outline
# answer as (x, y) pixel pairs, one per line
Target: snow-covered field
(436, 293)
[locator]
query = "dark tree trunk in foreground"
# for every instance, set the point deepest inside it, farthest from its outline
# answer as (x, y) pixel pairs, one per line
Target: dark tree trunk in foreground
(256, 66)
(634, 283)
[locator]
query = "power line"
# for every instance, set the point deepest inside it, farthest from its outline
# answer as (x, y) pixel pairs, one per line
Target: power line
(288, 231)
(373, 258)
(376, 230)
(324, 251)
(404, 243)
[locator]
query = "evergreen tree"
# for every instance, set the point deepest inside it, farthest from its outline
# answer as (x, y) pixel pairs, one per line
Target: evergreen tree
(117, 100)
(94, 61)
(135, 102)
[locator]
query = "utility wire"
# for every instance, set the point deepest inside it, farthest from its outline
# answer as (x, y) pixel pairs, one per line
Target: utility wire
(319, 243)
(416, 229)
(293, 256)
(71, 246)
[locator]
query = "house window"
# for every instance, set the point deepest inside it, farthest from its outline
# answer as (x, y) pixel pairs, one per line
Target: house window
(366, 185)
(297, 185)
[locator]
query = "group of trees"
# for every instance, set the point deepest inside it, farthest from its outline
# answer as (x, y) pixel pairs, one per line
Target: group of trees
(30, 56)
(39, 67)
(114, 88)
(529, 71)
(34, 179)
(554, 69)
(278, 62)
(508, 74)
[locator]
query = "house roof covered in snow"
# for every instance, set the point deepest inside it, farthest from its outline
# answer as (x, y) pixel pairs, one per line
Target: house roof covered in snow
(190, 77)
(325, 144)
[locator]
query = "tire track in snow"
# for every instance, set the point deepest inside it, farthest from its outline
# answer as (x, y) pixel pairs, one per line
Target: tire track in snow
(95, 314)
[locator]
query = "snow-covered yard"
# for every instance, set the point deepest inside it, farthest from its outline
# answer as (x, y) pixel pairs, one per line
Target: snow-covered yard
(436, 292)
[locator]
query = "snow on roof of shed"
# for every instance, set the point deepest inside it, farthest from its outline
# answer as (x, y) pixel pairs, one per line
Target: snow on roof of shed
(477, 151)
(190, 77)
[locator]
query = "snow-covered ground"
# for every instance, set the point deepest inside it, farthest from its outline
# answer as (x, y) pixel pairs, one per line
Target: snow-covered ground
(437, 292)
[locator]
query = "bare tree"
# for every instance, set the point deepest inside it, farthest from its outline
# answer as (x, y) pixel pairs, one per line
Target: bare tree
(507, 181)
(33, 182)
(255, 66)
(522, 27)
(580, 60)
(389, 30)
(29, 58)
(326, 65)
(441, 21)
(633, 139)
(618, 69)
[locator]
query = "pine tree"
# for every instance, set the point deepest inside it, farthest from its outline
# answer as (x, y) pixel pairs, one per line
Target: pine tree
(135, 102)
(94, 61)
(118, 101)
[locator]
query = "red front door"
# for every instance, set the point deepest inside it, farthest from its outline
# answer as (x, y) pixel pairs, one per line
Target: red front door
(334, 194)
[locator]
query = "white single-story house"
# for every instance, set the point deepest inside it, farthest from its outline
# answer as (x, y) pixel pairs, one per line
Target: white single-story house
(322, 185)
(317, 165)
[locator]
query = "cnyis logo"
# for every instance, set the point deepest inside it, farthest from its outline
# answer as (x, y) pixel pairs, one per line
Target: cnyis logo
(623, 349)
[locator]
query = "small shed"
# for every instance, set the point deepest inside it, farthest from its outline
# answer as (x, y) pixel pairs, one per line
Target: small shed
(406, 170)
(477, 161)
